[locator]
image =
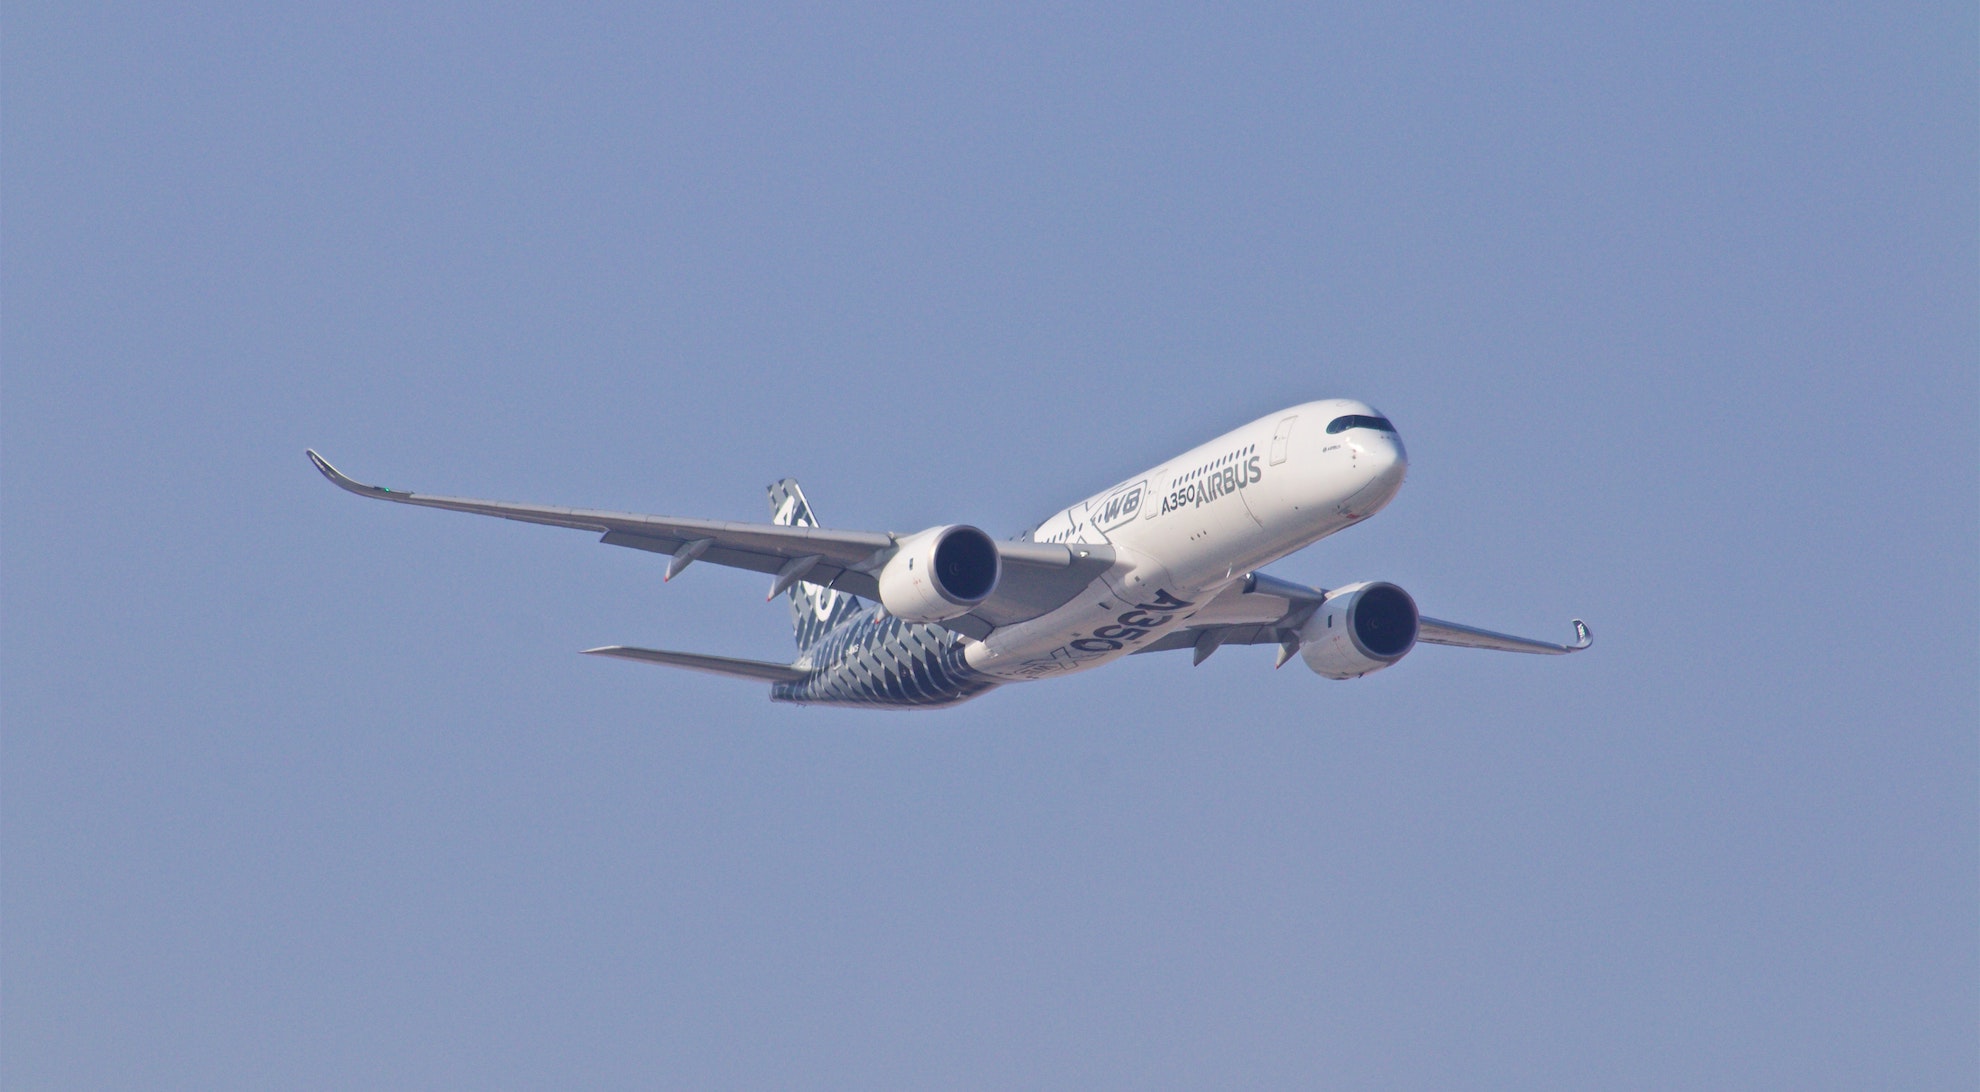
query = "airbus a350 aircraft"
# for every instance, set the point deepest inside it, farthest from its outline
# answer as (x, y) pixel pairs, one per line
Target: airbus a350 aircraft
(1167, 559)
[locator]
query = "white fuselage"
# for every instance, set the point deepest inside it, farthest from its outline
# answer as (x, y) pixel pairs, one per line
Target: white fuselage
(1183, 531)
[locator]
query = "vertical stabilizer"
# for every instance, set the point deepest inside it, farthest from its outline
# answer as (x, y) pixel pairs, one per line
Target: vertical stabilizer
(814, 610)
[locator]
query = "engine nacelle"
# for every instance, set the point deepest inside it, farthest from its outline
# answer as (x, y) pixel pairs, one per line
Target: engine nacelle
(940, 574)
(1358, 629)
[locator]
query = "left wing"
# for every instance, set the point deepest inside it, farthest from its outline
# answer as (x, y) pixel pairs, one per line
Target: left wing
(1038, 577)
(1264, 610)
(838, 559)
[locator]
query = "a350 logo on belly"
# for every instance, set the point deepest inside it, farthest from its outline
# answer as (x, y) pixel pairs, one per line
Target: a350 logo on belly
(1132, 625)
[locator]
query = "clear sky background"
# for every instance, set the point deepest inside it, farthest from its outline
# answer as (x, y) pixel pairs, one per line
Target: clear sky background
(1677, 308)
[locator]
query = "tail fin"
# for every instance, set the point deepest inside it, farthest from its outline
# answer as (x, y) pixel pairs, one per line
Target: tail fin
(814, 610)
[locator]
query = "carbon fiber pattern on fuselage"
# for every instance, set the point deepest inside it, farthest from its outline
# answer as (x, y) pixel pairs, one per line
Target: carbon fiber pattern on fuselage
(877, 659)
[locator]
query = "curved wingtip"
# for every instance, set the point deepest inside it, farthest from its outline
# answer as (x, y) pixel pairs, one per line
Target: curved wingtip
(1583, 636)
(342, 481)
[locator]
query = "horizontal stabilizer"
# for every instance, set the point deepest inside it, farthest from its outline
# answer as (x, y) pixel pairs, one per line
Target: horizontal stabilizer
(694, 661)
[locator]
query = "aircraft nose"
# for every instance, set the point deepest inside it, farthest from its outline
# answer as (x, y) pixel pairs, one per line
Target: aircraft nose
(1382, 459)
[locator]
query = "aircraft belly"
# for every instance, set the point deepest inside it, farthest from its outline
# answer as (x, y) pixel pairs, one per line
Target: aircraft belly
(1100, 626)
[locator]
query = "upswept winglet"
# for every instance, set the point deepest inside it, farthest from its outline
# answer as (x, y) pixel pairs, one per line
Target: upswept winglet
(344, 481)
(1583, 637)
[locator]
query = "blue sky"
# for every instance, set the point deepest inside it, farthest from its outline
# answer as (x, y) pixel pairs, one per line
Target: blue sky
(1677, 308)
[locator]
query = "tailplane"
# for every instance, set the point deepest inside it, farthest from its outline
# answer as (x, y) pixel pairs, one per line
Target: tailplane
(815, 610)
(695, 661)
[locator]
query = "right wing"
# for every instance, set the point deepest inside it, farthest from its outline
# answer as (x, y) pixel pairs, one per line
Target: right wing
(1038, 577)
(1264, 610)
(1434, 632)
(1257, 610)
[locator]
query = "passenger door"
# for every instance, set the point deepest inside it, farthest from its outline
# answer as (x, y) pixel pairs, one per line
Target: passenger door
(1280, 438)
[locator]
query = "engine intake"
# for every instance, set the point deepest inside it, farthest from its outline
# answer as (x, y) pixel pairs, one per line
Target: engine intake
(940, 573)
(1359, 629)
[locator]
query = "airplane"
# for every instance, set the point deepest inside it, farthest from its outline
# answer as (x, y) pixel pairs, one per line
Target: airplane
(1167, 559)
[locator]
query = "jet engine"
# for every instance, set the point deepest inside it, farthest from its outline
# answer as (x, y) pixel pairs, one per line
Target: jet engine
(1358, 629)
(940, 573)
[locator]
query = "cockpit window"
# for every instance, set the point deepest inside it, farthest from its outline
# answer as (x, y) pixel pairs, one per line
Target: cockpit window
(1356, 420)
